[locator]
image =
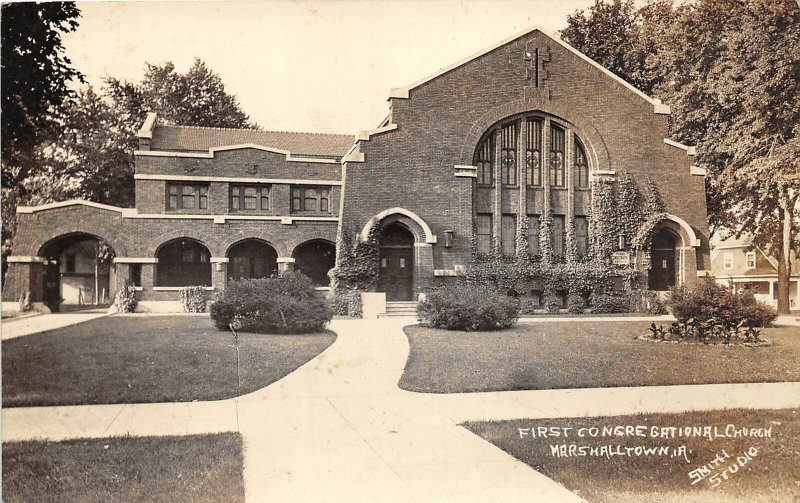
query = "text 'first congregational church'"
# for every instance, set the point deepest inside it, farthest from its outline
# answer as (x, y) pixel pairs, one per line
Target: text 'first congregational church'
(525, 151)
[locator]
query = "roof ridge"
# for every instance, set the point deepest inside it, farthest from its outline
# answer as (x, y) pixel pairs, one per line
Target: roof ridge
(250, 129)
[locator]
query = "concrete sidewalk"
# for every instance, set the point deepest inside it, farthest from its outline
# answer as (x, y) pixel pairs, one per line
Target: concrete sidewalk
(29, 325)
(339, 428)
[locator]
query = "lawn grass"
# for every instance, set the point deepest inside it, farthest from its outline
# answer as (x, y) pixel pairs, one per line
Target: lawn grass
(134, 359)
(772, 475)
(194, 468)
(582, 354)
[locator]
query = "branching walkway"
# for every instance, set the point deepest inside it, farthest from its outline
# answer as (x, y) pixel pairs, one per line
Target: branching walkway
(339, 428)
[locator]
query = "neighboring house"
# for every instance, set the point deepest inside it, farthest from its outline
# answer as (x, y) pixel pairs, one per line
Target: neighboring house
(736, 261)
(512, 135)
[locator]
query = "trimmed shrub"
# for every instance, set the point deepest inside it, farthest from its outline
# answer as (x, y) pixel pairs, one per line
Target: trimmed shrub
(468, 307)
(125, 299)
(575, 303)
(551, 302)
(645, 301)
(282, 305)
(709, 300)
(193, 299)
(607, 304)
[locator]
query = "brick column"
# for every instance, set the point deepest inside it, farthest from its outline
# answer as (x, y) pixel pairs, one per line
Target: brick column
(497, 217)
(522, 176)
(569, 223)
(546, 213)
(219, 272)
(423, 267)
(285, 264)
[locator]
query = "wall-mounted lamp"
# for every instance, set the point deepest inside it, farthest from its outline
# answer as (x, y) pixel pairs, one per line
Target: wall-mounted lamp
(448, 239)
(621, 242)
(218, 266)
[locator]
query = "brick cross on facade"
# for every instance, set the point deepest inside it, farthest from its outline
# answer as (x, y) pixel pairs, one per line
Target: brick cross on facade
(535, 72)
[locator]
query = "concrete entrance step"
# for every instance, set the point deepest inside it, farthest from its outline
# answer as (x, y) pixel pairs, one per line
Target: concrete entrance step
(408, 308)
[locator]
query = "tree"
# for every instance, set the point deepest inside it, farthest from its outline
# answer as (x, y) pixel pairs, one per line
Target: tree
(34, 78)
(609, 34)
(197, 98)
(91, 157)
(729, 70)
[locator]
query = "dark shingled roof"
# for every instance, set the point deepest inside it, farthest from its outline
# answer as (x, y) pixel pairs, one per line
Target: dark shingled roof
(200, 139)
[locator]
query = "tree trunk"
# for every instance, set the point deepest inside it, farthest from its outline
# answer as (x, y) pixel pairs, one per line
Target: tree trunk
(785, 258)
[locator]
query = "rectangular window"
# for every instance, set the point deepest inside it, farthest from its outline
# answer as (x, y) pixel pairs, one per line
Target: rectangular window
(70, 265)
(582, 235)
(184, 196)
(533, 234)
(728, 260)
(311, 199)
(557, 140)
(484, 163)
(135, 274)
(533, 153)
(751, 260)
(483, 233)
(249, 197)
(508, 154)
(558, 235)
(508, 235)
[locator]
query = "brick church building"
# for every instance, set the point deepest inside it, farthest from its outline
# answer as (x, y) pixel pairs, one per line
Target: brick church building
(512, 140)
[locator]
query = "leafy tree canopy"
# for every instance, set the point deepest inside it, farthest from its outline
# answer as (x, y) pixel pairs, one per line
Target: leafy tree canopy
(34, 77)
(730, 71)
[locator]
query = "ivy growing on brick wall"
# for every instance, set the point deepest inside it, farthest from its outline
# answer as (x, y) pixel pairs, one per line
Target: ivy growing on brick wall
(356, 271)
(618, 209)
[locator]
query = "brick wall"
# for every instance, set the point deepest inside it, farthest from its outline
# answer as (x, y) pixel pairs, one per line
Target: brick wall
(443, 120)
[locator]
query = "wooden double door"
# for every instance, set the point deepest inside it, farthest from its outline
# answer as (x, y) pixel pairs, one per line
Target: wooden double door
(662, 270)
(396, 277)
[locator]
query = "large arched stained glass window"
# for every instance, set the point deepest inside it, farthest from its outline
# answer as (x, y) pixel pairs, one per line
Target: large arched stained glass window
(534, 148)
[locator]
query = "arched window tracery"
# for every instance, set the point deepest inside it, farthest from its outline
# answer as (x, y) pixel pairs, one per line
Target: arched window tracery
(530, 131)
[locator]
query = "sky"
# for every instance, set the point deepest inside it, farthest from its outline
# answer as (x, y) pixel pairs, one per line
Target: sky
(323, 67)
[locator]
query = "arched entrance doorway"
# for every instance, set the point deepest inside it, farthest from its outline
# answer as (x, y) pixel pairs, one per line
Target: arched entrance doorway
(315, 259)
(183, 262)
(663, 260)
(79, 272)
(396, 274)
(251, 259)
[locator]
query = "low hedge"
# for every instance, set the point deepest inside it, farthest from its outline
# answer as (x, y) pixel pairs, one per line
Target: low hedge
(282, 305)
(469, 308)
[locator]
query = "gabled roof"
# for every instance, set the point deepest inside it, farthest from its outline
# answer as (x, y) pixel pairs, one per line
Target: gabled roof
(404, 92)
(200, 139)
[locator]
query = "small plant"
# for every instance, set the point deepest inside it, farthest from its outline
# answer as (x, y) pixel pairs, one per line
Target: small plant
(752, 334)
(25, 302)
(125, 299)
(657, 332)
(468, 307)
(193, 299)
